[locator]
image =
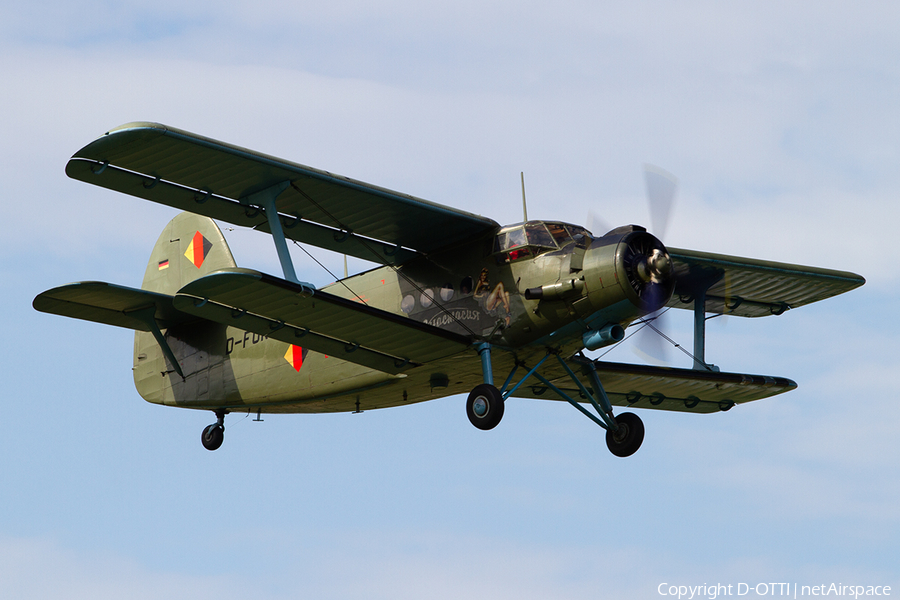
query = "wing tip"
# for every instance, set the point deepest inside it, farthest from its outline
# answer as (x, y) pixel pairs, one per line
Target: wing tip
(146, 125)
(100, 144)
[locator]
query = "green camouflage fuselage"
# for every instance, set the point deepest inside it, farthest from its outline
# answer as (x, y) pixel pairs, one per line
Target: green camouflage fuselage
(470, 289)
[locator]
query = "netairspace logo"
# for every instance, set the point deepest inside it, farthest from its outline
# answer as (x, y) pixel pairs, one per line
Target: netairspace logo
(791, 590)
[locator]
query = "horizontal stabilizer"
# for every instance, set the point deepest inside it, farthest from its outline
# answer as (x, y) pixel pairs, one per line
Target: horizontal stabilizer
(316, 320)
(663, 388)
(747, 287)
(112, 305)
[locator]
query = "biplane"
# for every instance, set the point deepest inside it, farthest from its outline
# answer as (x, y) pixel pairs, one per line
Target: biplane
(458, 304)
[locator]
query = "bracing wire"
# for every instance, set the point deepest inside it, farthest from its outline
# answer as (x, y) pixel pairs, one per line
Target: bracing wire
(377, 256)
(340, 281)
(648, 322)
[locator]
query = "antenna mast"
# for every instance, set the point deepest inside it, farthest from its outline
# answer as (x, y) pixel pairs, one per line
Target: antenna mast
(524, 207)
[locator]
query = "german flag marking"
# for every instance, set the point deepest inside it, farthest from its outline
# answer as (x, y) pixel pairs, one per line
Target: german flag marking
(163, 264)
(198, 249)
(294, 356)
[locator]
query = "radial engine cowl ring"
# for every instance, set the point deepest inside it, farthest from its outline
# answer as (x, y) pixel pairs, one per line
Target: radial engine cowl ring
(645, 270)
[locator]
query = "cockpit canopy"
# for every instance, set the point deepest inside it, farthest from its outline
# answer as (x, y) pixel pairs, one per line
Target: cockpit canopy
(532, 238)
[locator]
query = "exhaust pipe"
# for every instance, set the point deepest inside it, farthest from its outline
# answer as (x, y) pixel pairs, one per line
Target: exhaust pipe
(597, 338)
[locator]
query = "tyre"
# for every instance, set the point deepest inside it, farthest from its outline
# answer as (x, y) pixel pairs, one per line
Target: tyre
(213, 436)
(629, 436)
(485, 406)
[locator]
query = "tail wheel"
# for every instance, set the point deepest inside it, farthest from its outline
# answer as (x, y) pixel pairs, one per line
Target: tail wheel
(485, 406)
(626, 440)
(213, 436)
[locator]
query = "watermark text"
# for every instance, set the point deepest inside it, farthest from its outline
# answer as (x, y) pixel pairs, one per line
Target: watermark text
(784, 589)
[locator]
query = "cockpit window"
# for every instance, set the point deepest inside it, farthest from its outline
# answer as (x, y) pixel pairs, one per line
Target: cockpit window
(536, 237)
(516, 237)
(559, 233)
(509, 238)
(581, 235)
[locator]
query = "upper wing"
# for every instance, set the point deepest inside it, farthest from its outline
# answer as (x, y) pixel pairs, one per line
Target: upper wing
(316, 320)
(111, 304)
(664, 388)
(753, 288)
(208, 177)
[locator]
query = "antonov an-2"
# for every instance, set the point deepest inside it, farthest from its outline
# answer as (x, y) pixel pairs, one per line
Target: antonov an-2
(459, 305)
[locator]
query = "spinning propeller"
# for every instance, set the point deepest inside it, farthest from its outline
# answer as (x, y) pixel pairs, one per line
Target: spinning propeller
(661, 188)
(655, 266)
(647, 263)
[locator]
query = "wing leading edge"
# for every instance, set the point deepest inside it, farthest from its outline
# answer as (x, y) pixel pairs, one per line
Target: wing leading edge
(212, 178)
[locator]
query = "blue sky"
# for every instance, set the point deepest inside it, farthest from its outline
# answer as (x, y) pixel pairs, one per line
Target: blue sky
(781, 123)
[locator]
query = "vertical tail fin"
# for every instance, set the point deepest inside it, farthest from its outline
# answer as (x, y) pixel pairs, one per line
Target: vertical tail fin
(189, 247)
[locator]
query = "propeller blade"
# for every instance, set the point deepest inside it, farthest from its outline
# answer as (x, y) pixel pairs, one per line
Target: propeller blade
(649, 345)
(661, 188)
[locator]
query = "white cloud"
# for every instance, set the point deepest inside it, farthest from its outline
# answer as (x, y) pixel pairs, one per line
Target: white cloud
(40, 568)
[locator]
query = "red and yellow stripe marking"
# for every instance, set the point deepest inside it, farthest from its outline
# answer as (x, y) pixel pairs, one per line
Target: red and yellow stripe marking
(198, 249)
(294, 356)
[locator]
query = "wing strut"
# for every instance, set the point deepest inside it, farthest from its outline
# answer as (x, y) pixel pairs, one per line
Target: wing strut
(694, 287)
(148, 317)
(700, 330)
(265, 199)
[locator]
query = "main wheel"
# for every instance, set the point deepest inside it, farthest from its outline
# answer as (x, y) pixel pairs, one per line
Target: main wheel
(213, 436)
(628, 438)
(485, 406)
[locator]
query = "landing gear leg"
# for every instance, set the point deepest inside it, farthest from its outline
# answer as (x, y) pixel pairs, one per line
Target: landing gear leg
(213, 435)
(485, 403)
(625, 432)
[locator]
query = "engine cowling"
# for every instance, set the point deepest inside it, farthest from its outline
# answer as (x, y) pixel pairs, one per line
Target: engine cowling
(628, 264)
(644, 270)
